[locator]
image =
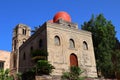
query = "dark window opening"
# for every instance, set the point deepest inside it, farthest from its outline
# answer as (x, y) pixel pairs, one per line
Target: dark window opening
(31, 48)
(14, 44)
(57, 40)
(85, 46)
(24, 31)
(2, 65)
(24, 56)
(71, 43)
(40, 43)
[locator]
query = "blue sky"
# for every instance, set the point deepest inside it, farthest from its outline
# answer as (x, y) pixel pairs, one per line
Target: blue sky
(36, 12)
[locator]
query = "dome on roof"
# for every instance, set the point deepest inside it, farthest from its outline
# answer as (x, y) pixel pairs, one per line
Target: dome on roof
(62, 15)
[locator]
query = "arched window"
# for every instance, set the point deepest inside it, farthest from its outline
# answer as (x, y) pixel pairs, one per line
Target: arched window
(24, 31)
(57, 40)
(40, 43)
(73, 60)
(71, 43)
(24, 56)
(31, 48)
(85, 46)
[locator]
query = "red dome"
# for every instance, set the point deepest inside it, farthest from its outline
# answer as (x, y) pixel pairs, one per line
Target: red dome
(65, 16)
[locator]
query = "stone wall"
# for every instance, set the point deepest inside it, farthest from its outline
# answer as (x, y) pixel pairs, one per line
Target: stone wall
(28, 47)
(5, 57)
(59, 56)
(59, 78)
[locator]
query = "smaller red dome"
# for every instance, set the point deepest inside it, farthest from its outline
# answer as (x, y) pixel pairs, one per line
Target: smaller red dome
(62, 15)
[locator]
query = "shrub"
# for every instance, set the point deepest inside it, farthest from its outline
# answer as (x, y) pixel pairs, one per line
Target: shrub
(44, 67)
(74, 74)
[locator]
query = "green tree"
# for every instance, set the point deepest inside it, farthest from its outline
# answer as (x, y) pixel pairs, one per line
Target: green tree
(103, 34)
(41, 66)
(29, 75)
(116, 59)
(74, 74)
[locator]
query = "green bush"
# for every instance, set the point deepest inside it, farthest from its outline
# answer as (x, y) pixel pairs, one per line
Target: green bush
(74, 74)
(44, 67)
(4, 75)
(29, 75)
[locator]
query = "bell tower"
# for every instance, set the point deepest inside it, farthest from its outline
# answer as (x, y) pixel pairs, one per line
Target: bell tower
(20, 34)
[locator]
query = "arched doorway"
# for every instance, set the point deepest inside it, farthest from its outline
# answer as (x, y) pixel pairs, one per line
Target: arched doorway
(73, 60)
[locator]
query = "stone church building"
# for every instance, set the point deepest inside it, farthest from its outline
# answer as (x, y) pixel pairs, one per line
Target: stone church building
(65, 44)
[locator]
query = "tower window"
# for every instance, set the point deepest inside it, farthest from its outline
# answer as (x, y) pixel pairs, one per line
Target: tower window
(24, 31)
(71, 43)
(85, 46)
(15, 44)
(57, 40)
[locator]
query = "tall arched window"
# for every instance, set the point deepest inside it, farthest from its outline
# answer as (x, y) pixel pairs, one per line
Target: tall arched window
(40, 43)
(71, 43)
(24, 56)
(57, 40)
(85, 46)
(31, 49)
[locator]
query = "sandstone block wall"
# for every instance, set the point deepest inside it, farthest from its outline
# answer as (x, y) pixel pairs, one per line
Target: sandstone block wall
(5, 56)
(59, 56)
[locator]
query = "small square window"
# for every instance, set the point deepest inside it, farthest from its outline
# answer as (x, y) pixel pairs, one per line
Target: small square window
(2, 65)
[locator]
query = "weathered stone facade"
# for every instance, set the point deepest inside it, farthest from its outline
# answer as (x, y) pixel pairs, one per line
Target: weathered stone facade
(5, 59)
(65, 43)
(60, 55)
